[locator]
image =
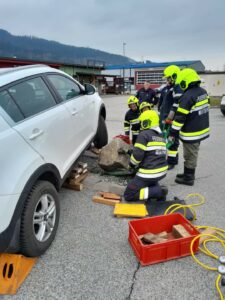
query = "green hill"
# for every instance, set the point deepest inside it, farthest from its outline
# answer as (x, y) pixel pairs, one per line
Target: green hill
(29, 47)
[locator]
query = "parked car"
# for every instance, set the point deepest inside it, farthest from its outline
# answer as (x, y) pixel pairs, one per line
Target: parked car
(222, 105)
(47, 120)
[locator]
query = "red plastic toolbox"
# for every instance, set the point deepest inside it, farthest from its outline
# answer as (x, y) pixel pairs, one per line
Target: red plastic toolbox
(171, 249)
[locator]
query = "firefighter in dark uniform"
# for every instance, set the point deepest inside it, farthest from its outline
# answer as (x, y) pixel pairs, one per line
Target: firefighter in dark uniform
(146, 94)
(149, 160)
(191, 122)
(131, 121)
(168, 104)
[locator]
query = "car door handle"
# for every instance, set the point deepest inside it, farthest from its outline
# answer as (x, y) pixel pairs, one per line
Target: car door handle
(35, 133)
(74, 112)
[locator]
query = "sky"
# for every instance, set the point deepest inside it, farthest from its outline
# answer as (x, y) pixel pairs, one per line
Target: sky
(156, 30)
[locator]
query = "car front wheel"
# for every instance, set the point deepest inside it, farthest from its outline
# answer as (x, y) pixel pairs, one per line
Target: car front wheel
(40, 219)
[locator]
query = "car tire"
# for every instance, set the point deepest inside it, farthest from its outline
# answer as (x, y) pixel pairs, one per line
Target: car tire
(40, 219)
(101, 138)
(223, 112)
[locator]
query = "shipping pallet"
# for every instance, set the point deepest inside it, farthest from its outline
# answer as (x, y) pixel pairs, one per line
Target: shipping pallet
(77, 175)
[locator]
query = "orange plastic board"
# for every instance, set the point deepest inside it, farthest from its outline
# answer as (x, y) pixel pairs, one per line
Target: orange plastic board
(130, 210)
(14, 269)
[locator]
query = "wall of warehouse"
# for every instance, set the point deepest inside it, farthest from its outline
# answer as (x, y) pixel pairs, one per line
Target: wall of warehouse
(214, 83)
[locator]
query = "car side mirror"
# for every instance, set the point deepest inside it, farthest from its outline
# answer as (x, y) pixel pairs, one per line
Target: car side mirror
(89, 89)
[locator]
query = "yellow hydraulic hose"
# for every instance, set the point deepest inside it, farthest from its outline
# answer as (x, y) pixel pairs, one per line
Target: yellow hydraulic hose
(212, 238)
(218, 237)
(171, 209)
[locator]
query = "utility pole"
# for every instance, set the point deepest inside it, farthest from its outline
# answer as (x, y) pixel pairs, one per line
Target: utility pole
(124, 44)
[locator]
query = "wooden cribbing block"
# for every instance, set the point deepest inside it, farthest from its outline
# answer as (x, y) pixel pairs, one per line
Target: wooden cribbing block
(82, 165)
(76, 187)
(148, 237)
(163, 235)
(151, 238)
(78, 179)
(102, 200)
(179, 231)
(206, 231)
(110, 196)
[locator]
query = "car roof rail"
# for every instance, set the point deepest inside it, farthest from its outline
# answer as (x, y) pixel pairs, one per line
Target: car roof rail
(13, 69)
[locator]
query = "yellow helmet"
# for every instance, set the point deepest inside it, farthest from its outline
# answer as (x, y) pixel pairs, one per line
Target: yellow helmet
(144, 104)
(132, 100)
(149, 119)
(171, 71)
(187, 76)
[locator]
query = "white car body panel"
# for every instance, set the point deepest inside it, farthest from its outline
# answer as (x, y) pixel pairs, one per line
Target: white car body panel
(41, 139)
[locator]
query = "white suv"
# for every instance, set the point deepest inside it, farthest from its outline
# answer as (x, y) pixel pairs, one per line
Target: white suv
(47, 119)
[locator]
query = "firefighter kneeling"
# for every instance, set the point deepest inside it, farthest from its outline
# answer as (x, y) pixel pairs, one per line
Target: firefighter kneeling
(149, 160)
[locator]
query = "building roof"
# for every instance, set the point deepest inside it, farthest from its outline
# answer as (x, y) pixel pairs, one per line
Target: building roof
(184, 63)
(12, 61)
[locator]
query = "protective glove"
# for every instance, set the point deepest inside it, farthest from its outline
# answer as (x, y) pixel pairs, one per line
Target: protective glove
(168, 121)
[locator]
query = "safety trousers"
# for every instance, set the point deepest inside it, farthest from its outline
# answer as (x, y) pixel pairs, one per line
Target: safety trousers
(139, 189)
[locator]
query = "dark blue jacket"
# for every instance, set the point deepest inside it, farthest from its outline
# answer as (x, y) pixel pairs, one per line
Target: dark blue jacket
(147, 96)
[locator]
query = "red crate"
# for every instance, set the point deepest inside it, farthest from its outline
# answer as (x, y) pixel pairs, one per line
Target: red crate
(171, 249)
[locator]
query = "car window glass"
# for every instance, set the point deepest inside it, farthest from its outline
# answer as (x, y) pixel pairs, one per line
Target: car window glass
(10, 107)
(32, 96)
(67, 88)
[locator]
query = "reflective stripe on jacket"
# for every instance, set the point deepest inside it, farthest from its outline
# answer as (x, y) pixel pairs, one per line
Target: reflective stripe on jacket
(192, 117)
(149, 154)
(132, 122)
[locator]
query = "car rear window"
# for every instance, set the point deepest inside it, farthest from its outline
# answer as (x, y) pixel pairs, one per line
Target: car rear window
(32, 96)
(10, 107)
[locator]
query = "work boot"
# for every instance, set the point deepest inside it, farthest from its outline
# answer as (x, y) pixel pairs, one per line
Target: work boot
(164, 190)
(181, 175)
(187, 178)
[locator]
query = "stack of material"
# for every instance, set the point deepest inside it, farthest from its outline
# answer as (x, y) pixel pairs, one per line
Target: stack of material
(178, 231)
(77, 175)
(150, 238)
(107, 198)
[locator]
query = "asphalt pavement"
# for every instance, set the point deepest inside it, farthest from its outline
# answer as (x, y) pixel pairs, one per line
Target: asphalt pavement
(91, 257)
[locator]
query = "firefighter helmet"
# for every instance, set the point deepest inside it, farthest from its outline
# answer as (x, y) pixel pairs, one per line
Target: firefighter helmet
(186, 77)
(149, 119)
(172, 72)
(144, 104)
(132, 100)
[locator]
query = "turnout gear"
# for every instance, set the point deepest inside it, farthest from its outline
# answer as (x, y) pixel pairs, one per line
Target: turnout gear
(132, 123)
(132, 100)
(149, 154)
(149, 159)
(192, 117)
(186, 77)
(145, 104)
(172, 72)
(140, 190)
(149, 119)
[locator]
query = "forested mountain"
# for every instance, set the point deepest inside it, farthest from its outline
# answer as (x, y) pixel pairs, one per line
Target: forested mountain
(29, 47)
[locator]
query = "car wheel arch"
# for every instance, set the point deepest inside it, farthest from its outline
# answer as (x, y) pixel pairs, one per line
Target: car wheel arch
(46, 172)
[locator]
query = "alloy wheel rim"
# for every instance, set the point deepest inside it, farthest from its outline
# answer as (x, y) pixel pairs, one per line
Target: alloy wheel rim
(44, 217)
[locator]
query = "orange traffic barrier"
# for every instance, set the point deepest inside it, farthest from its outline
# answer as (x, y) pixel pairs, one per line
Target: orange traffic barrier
(14, 269)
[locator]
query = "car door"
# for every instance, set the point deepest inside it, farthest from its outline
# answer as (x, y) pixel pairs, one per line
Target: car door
(81, 109)
(46, 124)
